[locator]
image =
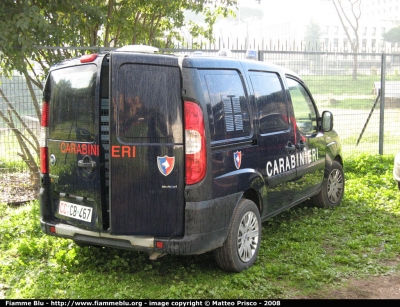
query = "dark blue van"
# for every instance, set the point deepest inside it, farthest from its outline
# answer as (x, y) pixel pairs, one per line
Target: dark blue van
(180, 154)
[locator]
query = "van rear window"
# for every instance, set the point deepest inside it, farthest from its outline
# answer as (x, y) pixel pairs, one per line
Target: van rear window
(149, 104)
(72, 103)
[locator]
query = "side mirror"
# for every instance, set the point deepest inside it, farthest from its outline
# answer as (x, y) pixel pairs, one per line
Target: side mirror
(327, 121)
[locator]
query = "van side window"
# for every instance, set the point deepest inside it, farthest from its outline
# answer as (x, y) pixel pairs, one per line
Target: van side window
(304, 110)
(229, 104)
(271, 102)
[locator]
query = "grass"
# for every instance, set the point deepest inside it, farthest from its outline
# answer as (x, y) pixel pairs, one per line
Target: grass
(368, 140)
(9, 149)
(355, 104)
(303, 251)
(11, 166)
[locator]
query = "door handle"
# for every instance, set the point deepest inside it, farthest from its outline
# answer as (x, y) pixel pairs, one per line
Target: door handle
(87, 164)
(300, 146)
(90, 164)
(290, 147)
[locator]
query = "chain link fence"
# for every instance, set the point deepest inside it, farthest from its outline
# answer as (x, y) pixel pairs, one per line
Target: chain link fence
(16, 100)
(364, 98)
(19, 123)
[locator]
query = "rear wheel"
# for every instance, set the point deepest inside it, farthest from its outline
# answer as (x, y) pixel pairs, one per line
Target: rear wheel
(332, 188)
(241, 247)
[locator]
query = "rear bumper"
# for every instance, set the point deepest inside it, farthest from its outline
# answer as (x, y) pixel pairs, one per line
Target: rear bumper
(97, 238)
(206, 228)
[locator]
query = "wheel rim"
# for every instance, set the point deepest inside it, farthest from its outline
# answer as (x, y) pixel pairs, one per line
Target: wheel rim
(248, 236)
(335, 186)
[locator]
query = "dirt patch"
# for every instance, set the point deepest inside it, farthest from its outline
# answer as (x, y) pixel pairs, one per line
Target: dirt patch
(376, 287)
(16, 188)
(379, 287)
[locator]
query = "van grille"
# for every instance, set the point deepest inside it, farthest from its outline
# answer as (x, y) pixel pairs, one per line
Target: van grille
(105, 143)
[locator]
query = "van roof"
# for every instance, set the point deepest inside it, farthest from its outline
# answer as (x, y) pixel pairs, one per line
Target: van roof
(211, 62)
(197, 61)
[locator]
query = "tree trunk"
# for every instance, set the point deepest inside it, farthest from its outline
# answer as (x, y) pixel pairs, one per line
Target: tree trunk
(109, 17)
(355, 66)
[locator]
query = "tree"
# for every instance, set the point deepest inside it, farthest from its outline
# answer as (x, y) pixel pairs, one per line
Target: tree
(27, 25)
(313, 35)
(157, 22)
(349, 15)
(393, 35)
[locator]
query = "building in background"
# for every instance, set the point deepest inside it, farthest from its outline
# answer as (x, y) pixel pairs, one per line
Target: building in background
(284, 25)
(377, 17)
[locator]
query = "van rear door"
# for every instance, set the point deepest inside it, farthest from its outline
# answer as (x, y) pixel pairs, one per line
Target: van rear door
(146, 145)
(73, 144)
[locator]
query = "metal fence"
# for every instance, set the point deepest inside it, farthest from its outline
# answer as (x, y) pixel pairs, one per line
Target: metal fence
(366, 108)
(15, 96)
(365, 102)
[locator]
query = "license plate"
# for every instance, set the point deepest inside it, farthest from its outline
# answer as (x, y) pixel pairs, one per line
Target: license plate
(75, 211)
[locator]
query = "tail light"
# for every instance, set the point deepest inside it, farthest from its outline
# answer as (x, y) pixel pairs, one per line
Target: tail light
(195, 143)
(44, 153)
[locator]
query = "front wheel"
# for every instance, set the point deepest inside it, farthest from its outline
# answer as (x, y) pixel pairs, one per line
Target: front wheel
(241, 247)
(332, 188)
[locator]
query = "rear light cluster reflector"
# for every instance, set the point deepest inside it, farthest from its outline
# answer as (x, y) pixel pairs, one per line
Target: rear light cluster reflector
(195, 143)
(44, 153)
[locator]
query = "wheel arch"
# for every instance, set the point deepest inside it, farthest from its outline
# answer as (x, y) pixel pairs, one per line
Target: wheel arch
(339, 159)
(254, 196)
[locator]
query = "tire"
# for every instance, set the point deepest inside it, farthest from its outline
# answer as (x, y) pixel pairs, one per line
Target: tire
(332, 190)
(241, 247)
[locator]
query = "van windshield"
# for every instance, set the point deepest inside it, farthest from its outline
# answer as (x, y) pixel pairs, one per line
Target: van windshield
(72, 103)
